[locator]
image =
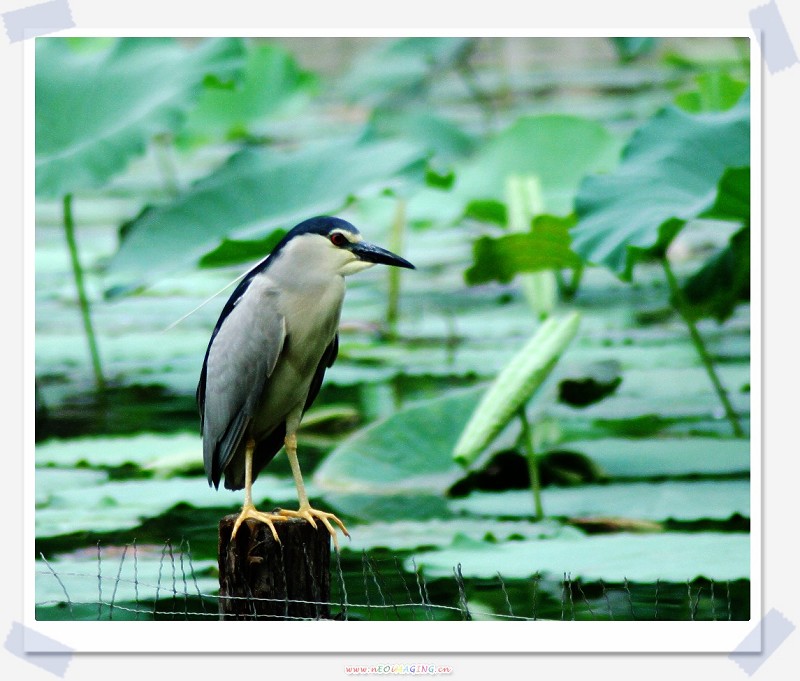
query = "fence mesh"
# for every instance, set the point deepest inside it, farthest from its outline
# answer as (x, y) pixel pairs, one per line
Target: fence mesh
(143, 583)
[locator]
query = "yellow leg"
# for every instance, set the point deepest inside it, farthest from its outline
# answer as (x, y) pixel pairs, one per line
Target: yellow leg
(305, 511)
(248, 509)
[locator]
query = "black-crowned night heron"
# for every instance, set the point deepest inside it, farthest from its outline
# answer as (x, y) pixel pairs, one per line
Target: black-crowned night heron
(274, 339)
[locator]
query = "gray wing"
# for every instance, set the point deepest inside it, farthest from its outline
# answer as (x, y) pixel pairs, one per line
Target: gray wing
(240, 359)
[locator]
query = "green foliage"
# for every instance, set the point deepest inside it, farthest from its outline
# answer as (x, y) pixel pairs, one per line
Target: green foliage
(97, 109)
(272, 84)
(545, 247)
(399, 69)
(669, 174)
(442, 138)
(647, 438)
(559, 150)
(723, 281)
(515, 385)
(716, 91)
(732, 201)
(548, 155)
(630, 48)
(237, 251)
(256, 191)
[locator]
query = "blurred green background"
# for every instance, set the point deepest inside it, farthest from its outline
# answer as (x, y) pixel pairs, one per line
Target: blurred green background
(601, 181)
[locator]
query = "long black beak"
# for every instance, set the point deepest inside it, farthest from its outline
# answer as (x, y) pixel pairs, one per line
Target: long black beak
(371, 253)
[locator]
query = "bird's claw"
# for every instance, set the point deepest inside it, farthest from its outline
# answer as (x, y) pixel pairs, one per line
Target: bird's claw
(252, 513)
(310, 514)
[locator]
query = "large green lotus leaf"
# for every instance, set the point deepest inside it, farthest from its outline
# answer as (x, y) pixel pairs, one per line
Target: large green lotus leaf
(677, 500)
(668, 557)
(664, 457)
(272, 83)
(408, 452)
(669, 173)
(256, 191)
(559, 150)
(441, 137)
(124, 575)
(97, 109)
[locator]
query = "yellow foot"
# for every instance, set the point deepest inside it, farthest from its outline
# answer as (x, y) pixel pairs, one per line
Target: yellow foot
(309, 514)
(250, 512)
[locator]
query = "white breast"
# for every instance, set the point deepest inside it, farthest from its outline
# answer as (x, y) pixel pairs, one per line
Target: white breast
(311, 315)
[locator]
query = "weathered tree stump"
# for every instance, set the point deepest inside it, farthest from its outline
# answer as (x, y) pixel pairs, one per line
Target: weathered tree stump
(260, 578)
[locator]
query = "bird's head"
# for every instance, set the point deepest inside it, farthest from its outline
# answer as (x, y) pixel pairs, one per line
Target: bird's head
(335, 246)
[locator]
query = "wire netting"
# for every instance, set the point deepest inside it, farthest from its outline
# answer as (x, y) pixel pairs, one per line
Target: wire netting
(141, 583)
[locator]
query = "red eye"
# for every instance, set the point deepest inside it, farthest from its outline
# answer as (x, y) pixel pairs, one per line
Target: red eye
(338, 239)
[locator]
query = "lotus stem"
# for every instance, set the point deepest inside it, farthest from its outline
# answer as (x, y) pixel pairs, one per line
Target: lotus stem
(83, 300)
(533, 464)
(680, 305)
(396, 238)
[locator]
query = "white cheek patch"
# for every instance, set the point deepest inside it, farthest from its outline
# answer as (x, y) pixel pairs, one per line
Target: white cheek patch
(355, 266)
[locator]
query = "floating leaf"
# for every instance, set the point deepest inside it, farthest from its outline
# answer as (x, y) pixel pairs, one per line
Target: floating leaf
(405, 535)
(664, 557)
(50, 481)
(95, 110)
(141, 450)
(119, 505)
(515, 385)
(658, 501)
(664, 457)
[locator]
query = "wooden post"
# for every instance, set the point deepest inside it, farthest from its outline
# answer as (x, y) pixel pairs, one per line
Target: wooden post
(293, 576)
